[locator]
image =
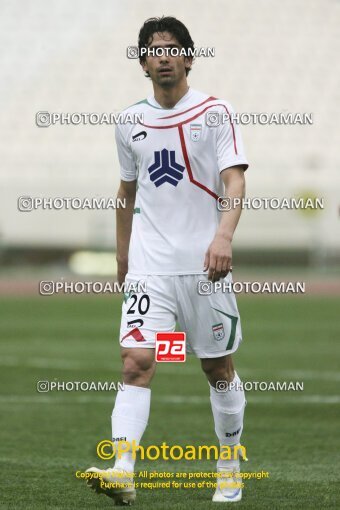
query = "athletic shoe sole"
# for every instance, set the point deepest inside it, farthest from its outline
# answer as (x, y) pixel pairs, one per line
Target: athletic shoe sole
(120, 497)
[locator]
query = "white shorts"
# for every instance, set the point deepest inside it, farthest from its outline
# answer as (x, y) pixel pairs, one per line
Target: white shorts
(211, 322)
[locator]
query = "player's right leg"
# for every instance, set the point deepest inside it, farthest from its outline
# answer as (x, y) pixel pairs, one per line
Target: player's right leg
(143, 315)
(129, 420)
(130, 414)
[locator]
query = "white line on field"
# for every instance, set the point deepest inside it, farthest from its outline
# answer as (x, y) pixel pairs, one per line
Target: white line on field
(168, 399)
(311, 375)
(66, 364)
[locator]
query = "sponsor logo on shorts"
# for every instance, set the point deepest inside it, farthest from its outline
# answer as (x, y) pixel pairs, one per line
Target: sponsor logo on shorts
(218, 331)
(138, 323)
(170, 347)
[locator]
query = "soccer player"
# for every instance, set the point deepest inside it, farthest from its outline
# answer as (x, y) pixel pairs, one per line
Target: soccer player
(174, 165)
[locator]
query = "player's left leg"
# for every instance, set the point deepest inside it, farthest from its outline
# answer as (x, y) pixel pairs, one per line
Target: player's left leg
(212, 323)
(227, 404)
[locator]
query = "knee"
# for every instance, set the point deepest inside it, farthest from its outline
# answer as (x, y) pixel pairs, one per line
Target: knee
(137, 369)
(216, 371)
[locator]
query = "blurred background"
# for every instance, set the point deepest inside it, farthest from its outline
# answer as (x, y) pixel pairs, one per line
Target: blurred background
(271, 57)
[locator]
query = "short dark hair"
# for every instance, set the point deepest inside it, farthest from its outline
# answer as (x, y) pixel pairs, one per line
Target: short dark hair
(164, 24)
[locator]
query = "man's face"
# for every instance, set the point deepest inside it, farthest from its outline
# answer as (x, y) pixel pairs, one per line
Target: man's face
(165, 70)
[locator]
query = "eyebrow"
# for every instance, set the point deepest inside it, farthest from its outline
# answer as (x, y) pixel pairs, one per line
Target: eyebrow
(171, 45)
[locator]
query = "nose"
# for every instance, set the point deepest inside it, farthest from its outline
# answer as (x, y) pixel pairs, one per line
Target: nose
(164, 58)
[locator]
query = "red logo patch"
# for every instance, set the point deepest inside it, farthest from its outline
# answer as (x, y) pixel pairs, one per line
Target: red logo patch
(170, 347)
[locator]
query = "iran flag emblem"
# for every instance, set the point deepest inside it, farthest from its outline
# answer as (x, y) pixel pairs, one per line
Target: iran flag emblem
(195, 132)
(218, 331)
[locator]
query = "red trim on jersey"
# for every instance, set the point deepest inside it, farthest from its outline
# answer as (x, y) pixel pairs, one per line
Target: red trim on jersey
(188, 166)
(233, 130)
(136, 334)
(211, 98)
(180, 124)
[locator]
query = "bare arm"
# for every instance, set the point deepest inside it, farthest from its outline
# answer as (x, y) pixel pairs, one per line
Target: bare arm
(127, 191)
(218, 258)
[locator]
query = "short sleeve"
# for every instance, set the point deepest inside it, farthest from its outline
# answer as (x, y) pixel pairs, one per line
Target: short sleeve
(230, 150)
(128, 170)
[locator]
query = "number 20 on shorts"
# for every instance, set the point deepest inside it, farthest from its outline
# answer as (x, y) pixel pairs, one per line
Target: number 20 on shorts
(170, 347)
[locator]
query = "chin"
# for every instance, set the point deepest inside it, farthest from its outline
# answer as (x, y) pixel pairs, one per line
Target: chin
(166, 80)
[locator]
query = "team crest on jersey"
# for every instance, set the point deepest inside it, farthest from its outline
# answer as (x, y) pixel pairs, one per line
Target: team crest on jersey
(195, 132)
(218, 331)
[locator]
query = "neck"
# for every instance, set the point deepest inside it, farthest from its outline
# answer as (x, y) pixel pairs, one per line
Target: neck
(168, 97)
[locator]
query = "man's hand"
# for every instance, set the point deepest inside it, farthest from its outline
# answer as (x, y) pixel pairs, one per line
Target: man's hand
(218, 258)
(219, 255)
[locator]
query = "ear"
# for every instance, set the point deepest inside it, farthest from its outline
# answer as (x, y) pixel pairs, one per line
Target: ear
(144, 66)
(188, 62)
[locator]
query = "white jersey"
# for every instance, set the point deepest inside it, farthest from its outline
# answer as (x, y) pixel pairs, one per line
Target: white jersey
(176, 155)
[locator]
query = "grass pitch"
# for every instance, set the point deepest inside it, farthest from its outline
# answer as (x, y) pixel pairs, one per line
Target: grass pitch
(47, 437)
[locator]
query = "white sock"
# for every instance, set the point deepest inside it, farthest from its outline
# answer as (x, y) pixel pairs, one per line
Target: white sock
(228, 410)
(129, 420)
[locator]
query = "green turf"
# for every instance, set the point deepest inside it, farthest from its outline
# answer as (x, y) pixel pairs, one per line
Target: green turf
(46, 438)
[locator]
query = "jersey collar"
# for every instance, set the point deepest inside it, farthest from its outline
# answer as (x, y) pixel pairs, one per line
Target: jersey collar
(152, 101)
